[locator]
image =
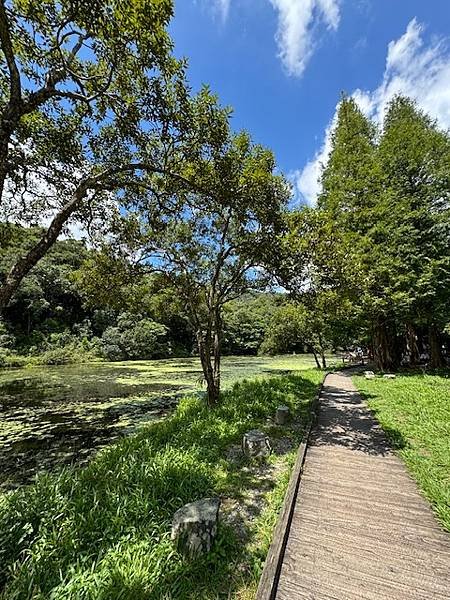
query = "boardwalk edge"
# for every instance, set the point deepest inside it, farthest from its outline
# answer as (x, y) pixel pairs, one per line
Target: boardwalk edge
(268, 583)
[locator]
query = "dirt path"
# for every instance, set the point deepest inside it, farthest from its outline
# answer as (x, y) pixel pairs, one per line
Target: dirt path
(361, 529)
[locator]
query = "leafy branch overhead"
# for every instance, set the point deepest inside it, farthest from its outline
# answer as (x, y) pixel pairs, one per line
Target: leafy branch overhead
(213, 246)
(91, 101)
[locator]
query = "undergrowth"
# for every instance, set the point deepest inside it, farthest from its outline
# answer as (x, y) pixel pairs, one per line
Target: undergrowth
(103, 532)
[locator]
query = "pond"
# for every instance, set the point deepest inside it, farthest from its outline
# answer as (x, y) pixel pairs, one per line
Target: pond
(51, 416)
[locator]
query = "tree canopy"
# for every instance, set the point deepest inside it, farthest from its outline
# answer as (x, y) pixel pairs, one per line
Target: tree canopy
(92, 106)
(99, 127)
(213, 246)
(379, 236)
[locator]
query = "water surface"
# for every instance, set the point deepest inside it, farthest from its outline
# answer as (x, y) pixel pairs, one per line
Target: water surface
(50, 416)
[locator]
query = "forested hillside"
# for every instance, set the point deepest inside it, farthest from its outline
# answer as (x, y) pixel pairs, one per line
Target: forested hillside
(62, 312)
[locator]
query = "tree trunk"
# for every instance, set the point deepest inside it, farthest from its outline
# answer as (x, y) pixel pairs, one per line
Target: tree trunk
(25, 263)
(322, 353)
(204, 348)
(217, 349)
(315, 357)
(12, 112)
(436, 358)
(411, 343)
(4, 139)
(384, 354)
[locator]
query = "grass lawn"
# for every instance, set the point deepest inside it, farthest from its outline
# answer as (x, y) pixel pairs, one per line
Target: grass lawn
(414, 410)
(103, 532)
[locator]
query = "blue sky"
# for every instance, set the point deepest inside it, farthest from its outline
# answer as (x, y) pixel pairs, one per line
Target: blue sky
(282, 64)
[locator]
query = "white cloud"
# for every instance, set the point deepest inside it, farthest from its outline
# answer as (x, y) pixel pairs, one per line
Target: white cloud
(306, 180)
(297, 24)
(223, 8)
(416, 70)
(413, 69)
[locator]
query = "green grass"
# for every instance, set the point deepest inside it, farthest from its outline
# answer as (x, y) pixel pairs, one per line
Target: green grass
(414, 410)
(103, 532)
(55, 415)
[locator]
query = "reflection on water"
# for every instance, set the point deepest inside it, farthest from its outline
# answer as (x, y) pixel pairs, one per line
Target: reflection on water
(50, 416)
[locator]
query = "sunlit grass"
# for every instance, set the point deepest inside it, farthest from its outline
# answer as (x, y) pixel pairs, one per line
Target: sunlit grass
(102, 532)
(414, 409)
(62, 414)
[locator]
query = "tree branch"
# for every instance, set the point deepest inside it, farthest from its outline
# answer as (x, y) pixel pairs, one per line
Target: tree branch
(15, 89)
(106, 179)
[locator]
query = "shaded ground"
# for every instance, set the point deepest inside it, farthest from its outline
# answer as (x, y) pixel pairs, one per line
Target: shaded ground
(361, 530)
(60, 415)
(414, 411)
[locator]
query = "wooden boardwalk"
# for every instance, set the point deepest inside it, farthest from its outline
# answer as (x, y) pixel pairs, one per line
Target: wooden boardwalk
(360, 528)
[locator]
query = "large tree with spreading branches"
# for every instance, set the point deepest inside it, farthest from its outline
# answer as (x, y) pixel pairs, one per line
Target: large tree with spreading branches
(91, 102)
(213, 246)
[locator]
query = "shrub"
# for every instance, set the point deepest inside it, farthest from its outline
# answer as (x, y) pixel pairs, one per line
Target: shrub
(57, 356)
(10, 359)
(7, 339)
(135, 338)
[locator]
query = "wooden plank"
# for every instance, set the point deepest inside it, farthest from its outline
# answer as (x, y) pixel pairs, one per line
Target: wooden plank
(269, 579)
(360, 529)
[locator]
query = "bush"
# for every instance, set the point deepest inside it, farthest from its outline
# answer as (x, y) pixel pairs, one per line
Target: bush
(7, 339)
(73, 352)
(10, 359)
(58, 356)
(135, 338)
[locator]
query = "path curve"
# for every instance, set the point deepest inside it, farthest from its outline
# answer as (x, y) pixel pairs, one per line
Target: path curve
(361, 530)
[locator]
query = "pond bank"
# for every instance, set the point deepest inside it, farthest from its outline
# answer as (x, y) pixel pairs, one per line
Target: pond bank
(104, 531)
(62, 415)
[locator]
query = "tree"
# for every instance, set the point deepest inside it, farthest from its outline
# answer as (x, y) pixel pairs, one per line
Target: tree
(64, 61)
(246, 321)
(47, 296)
(109, 281)
(135, 337)
(288, 332)
(414, 157)
(318, 322)
(91, 102)
(313, 266)
(351, 202)
(213, 249)
(379, 237)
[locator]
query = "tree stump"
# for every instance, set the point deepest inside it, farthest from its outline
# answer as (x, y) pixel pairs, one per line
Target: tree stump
(369, 374)
(194, 526)
(282, 415)
(256, 444)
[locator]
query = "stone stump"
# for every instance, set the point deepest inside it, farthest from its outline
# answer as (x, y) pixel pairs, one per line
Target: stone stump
(282, 415)
(389, 376)
(256, 444)
(369, 374)
(194, 526)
